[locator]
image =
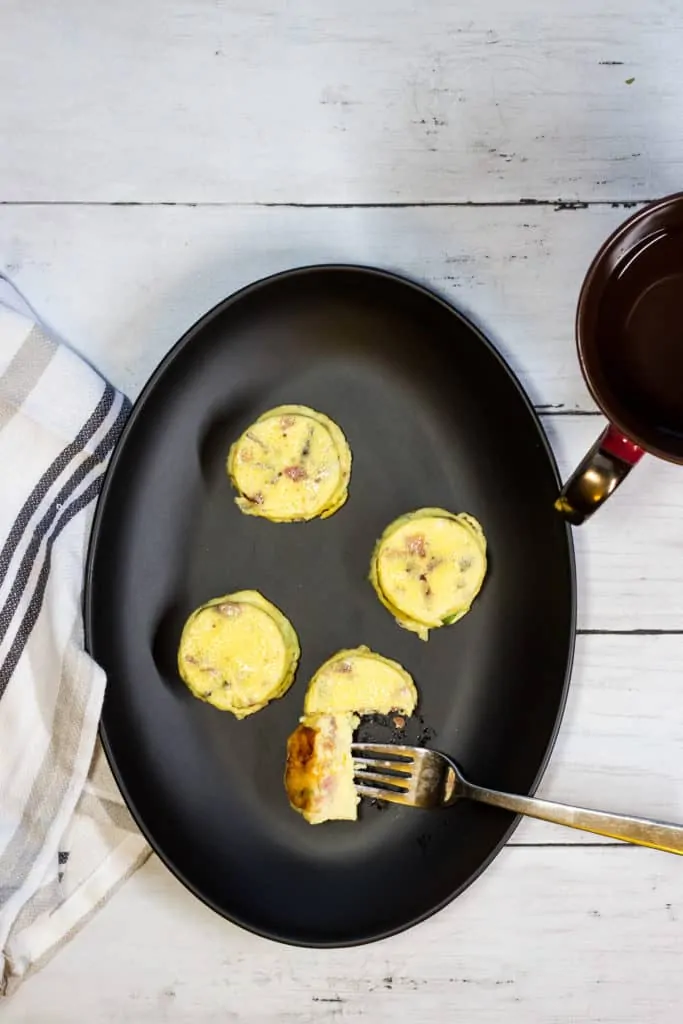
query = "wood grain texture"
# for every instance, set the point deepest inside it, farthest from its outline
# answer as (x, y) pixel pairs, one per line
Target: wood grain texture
(249, 103)
(124, 283)
(340, 102)
(562, 935)
(620, 743)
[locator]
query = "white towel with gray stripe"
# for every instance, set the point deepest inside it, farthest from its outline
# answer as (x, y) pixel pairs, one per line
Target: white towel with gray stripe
(66, 839)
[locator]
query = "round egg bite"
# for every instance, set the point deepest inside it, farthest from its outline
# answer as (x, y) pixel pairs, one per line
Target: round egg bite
(292, 464)
(238, 652)
(427, 568)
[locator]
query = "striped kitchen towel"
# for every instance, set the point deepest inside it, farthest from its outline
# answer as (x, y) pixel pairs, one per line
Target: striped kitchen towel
(66, 839)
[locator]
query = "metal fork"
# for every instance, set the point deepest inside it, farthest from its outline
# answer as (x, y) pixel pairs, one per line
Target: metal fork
(418, 777)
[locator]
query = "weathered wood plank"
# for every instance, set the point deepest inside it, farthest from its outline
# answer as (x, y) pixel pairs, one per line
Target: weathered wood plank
(620, 743)
(559, 935)
(389, 102)
(340, 102)
(123, 283)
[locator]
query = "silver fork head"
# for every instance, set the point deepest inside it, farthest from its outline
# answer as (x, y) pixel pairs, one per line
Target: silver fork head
(413, 776)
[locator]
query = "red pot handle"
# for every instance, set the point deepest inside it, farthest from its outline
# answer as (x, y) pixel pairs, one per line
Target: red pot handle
(598, 475)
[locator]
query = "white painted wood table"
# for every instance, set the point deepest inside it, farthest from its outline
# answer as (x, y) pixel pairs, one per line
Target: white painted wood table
(154, 157)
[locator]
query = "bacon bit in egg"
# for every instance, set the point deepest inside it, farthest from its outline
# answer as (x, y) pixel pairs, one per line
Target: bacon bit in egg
(425, 582)
(393, 554)
(230, 609)
(296, 473)
(246, 455)
(415, 545)
(286, 422)
(343, 666)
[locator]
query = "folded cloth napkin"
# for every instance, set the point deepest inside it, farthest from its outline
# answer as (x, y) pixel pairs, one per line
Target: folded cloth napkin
(66, 838)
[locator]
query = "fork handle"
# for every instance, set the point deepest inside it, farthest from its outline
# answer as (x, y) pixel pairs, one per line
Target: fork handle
(660, 835)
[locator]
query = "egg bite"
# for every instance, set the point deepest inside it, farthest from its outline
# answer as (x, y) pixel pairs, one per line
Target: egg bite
(238, 652)
(293, 464)
(361, 682)
(319, 776)
(427, 568)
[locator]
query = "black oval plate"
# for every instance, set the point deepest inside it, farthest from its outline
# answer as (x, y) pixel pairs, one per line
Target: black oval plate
(433, 417)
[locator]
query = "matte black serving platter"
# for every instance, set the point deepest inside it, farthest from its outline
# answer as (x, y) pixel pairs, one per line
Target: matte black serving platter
(434, 417)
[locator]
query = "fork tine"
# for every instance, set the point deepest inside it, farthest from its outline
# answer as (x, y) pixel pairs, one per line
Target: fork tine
(385, 780)
(385, 750)
(402, 768)
(384, 794)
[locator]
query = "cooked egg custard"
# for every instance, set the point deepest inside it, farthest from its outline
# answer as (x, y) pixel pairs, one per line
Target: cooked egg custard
(363, 682)
(238, 652)
(427, 568)
(319, 773)
(319, 777)
(293, 464)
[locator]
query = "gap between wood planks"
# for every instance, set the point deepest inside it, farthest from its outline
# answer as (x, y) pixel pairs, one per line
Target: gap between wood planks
(557, 204)
(612, 844)
(629, 632)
